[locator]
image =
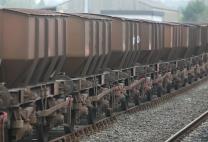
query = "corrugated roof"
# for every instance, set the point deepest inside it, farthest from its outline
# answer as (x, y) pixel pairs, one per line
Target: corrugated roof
(87, 16)
(92, 16)
(122, 18)
(107, 16)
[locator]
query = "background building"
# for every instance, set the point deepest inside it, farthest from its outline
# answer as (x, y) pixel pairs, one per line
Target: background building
(158, 10)
(151, 9)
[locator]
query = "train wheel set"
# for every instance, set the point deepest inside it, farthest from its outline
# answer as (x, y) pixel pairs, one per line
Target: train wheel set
(39, 110)
(60, 72)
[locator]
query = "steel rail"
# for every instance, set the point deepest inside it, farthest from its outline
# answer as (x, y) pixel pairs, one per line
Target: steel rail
(188, 128)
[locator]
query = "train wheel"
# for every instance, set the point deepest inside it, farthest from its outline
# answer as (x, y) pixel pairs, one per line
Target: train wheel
(137, 100)
(201, 75)
(184, 82)
(70, 126)
(176, 85)
(168, 88)
(42, 131)
(7, 134)
(92, 115)
(26, 139)
(68, 129)
(108, 112)
(159, 91)
(43, 135)
(149, 96)
(190, 79)
(196, 77)
(124, 104)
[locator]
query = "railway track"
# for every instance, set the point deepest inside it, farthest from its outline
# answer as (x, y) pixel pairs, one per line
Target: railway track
(188, 128)
(107, 122)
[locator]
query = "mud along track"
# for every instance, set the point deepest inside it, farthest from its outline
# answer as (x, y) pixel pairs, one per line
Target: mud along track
(107, 122)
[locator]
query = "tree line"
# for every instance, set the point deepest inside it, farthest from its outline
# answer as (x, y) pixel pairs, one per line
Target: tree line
(196, 11)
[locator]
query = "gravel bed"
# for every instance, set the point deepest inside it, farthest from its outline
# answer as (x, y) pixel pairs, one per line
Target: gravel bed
(198, 135)
(157, 124)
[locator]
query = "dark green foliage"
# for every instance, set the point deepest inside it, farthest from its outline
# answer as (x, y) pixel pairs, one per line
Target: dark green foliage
(196, 11)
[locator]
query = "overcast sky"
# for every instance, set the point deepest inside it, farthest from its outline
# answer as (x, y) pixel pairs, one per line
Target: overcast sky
(53, 2)
(172, 3)
(58, 1)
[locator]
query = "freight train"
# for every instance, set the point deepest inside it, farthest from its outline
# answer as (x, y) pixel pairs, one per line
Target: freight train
(63, 70)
